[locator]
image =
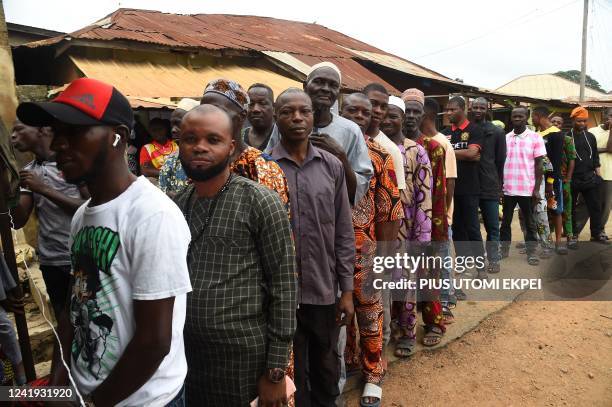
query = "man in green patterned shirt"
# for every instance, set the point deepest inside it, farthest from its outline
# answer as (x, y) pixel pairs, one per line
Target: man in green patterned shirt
(241, 315)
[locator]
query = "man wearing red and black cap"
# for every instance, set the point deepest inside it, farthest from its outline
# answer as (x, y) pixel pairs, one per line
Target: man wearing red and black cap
(123, 270)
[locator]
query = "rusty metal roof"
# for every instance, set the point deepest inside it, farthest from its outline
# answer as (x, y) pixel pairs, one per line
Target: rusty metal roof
(218, 31)
(243, 33)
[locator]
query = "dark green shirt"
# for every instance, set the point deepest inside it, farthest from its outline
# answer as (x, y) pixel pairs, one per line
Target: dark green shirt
(243, 303)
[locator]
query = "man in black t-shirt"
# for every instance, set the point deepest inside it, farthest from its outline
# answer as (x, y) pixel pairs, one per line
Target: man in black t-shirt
(491, 171)
(466, 139)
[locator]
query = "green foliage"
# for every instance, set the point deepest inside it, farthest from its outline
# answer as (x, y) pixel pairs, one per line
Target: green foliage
(574, 76)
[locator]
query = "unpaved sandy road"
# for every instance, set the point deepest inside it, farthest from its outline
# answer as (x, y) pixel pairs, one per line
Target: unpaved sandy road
(530, 353)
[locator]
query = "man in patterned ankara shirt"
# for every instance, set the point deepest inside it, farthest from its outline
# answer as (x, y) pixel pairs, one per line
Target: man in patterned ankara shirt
(415, 229)
(376, 217)
(241, 315)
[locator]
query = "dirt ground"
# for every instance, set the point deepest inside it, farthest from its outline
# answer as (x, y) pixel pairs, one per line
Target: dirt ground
(511, 360)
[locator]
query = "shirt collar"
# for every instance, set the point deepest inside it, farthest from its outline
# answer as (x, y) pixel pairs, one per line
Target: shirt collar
(521, 135)
(159, 145)
(43, 162)
(461, 127)
(279, 152)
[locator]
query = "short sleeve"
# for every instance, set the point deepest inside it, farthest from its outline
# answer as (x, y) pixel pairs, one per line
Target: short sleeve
(539, 147)
(476, 137)
(451, 162)
(144, 155)
(158, 266)
(165, 173)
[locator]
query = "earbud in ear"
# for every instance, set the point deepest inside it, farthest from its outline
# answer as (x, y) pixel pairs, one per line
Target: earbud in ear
(117, 139)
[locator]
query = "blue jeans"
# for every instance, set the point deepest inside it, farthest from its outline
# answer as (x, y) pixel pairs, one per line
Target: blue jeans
(466, 227)
(178, 400)
(489, 208)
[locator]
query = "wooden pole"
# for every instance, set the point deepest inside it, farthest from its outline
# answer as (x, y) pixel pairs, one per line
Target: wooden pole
(9, 255)
(585, 20)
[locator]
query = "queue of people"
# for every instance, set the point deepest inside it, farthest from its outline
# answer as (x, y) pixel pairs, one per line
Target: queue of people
(249, 267)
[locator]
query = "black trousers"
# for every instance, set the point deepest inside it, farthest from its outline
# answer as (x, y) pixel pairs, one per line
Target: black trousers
(526, 206)
(592, 200)
(315, 354)
(466, 226)
(57, 281)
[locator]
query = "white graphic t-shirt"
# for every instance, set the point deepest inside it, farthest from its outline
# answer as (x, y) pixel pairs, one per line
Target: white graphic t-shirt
(131, 248)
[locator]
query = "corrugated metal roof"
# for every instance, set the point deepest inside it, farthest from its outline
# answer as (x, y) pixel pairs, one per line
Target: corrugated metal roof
(547, 86)
(292, 44)
(399, 64)
(289, 60)
(354, 75)
(273, 37)
(604, 101)
(149, 79)
(218, 31)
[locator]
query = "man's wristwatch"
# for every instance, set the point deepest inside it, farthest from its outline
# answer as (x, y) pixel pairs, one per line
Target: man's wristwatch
(276, 375)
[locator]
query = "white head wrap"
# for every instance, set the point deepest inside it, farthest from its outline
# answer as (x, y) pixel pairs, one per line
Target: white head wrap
(325, 64)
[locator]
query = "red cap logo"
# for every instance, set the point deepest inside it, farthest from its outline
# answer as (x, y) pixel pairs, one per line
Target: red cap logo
(88, 95)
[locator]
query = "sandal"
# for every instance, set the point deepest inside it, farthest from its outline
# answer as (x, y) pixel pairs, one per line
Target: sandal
(433, 335)
(561, 249)
(493, 268)
(447, 316)
(371, 392)
(572, 243)
(451, 305)
(405, 347)
(546, 253)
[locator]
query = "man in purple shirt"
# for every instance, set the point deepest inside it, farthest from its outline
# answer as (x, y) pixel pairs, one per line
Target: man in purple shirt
(325, 248)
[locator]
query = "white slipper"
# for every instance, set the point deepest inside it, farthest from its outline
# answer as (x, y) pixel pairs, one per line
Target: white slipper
(371, 390)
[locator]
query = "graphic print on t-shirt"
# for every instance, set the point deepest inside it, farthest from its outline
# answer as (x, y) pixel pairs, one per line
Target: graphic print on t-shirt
(93, 251)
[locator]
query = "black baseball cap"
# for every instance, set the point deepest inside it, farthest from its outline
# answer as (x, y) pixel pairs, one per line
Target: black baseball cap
(85, 102)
